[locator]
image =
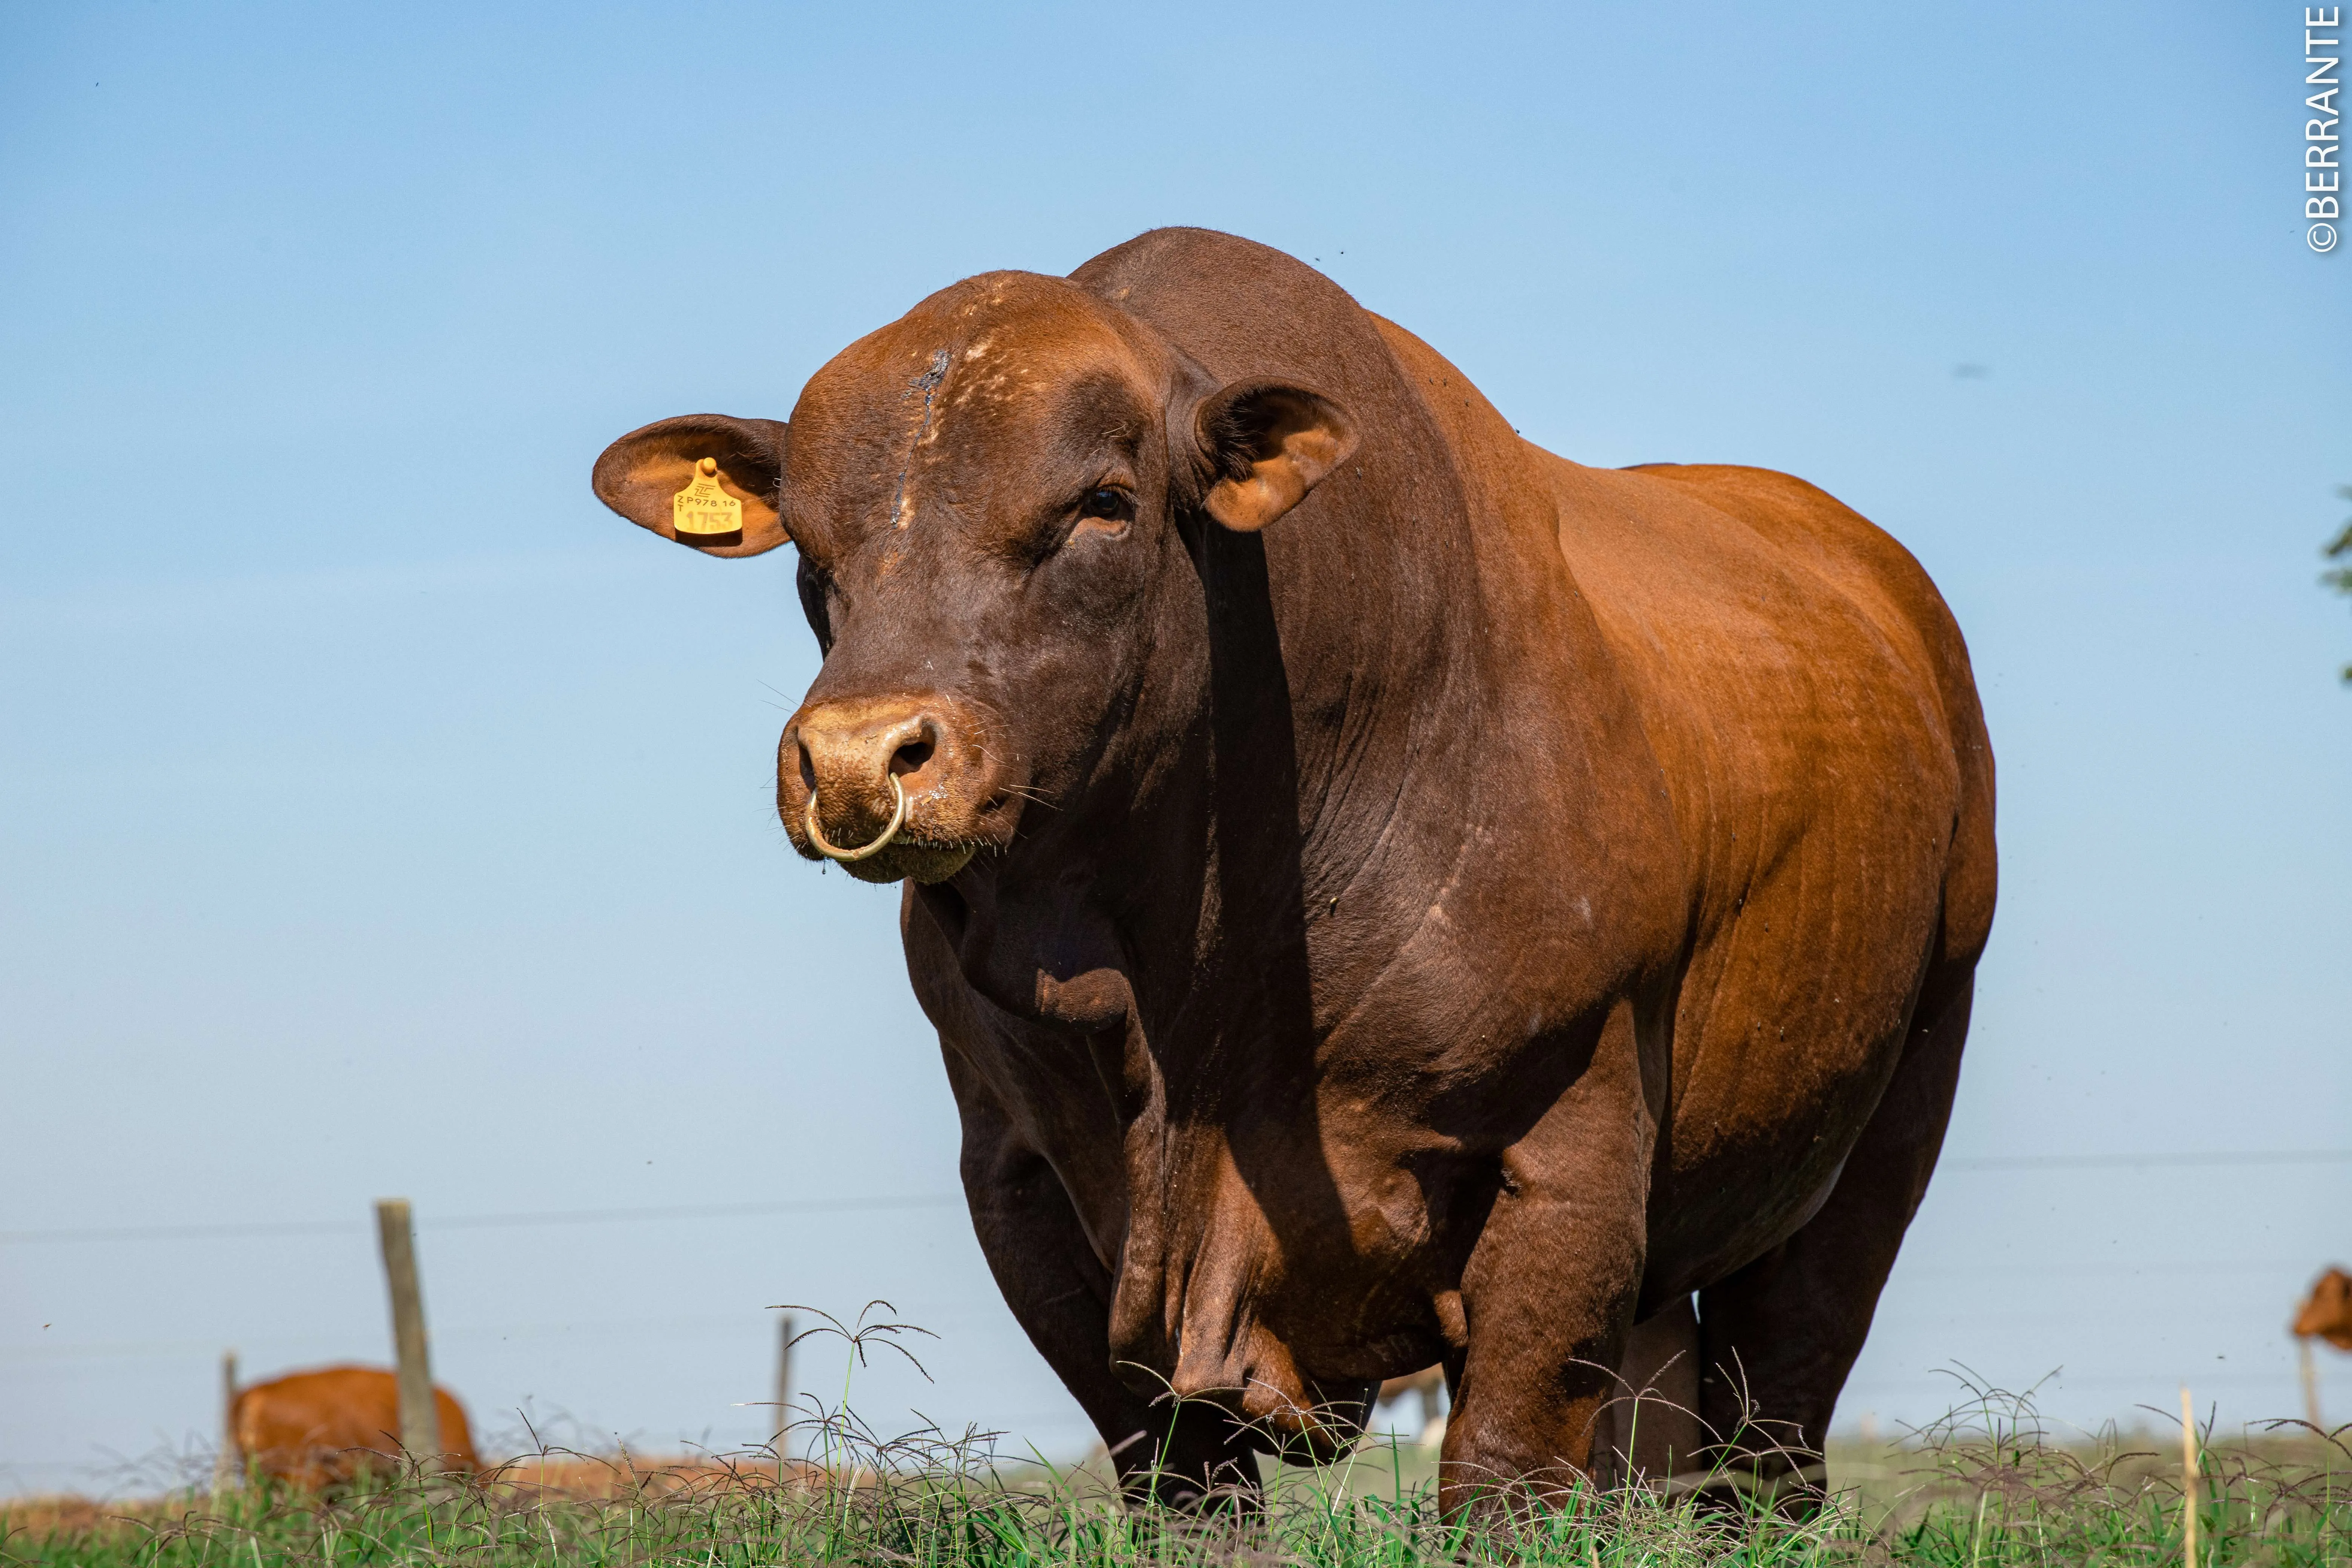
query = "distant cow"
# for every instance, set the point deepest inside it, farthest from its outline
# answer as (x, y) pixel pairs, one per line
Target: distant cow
(2327, 1315)
(313, 1429)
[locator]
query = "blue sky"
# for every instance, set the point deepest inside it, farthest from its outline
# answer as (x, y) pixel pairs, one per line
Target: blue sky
(380, 816)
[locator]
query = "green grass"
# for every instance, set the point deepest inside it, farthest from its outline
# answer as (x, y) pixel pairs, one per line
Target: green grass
(1989, 1496)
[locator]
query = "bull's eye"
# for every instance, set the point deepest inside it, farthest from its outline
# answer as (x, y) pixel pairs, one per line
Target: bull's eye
(1108, 505)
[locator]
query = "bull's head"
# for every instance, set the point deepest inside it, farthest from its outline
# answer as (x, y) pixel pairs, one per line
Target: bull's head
(992, 498)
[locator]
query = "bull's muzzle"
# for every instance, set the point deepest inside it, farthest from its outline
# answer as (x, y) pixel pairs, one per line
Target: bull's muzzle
(885, 787)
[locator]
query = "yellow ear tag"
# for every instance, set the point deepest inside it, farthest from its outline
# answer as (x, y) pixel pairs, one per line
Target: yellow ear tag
(704, 513)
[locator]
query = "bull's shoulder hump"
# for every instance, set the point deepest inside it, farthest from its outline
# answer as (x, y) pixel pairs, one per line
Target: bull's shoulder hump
(1450, 394)
(1481, 437)
(1240, 308)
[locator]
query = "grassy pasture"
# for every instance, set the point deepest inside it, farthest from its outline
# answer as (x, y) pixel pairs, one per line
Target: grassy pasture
(1990, 1495)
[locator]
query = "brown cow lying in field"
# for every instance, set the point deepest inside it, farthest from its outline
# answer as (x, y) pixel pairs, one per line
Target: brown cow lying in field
(2327, 1315)
(313, 1429)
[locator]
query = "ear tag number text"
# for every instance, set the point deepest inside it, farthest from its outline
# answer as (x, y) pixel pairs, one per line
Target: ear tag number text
(703, 512)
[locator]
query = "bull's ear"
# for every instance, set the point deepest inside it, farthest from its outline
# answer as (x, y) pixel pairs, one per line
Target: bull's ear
(1268, 444)
(689, 470)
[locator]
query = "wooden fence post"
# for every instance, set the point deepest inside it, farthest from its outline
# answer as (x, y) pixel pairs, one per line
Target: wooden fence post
(420, 1425)
(225, 1468)
(2310, 1375)
(784, 1391)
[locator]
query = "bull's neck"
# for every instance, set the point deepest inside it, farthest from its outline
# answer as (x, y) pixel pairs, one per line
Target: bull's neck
(1332, 744)
(1357, 670)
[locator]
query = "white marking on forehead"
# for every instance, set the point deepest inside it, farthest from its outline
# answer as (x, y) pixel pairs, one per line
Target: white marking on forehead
(902, 507)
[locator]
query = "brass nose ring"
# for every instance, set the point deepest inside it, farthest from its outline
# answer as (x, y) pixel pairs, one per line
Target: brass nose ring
(815, 836)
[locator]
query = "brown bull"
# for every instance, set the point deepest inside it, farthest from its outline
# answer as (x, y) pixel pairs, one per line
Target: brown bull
(313, 1429)
(1387, 894)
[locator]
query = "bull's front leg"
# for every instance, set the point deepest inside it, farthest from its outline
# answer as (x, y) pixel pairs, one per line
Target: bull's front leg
(1549, 1289)
(1186, 1455)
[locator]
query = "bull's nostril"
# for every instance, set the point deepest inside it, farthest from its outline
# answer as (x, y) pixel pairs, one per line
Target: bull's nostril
(808, 771)
(910, 757)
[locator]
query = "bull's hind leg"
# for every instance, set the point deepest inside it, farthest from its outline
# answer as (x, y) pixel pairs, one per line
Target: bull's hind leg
(1778, 1337)
(1652, 1426)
